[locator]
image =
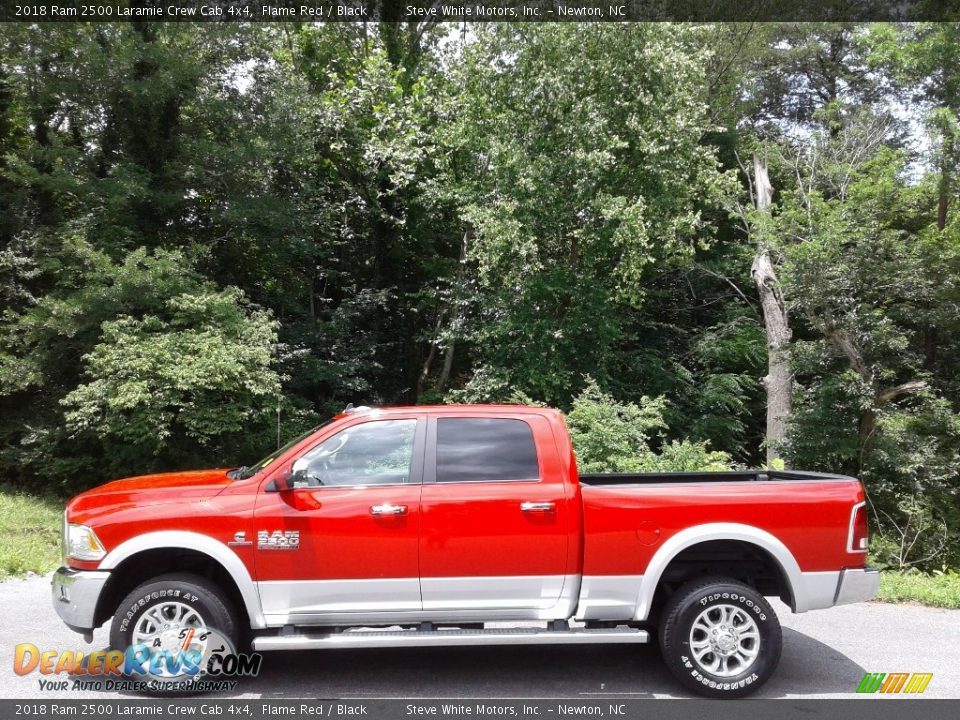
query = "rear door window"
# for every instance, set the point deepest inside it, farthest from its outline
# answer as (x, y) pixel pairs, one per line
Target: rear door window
(485, 450)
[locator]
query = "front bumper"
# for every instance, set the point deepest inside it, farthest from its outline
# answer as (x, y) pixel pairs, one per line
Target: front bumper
(857, 585)
(75, 595)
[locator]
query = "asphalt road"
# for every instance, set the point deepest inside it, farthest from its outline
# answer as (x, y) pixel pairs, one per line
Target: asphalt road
(826, 653)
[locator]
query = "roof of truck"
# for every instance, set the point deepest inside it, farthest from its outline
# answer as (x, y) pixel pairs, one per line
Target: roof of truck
(478, 409)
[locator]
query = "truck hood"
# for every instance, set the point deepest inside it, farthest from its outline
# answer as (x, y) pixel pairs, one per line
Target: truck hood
(190, 485)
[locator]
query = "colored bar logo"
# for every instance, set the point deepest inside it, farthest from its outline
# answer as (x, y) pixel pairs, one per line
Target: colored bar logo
(906, 683)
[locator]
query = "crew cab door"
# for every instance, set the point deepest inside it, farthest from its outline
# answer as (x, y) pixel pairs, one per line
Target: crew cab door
(494, 519)
(342, 546)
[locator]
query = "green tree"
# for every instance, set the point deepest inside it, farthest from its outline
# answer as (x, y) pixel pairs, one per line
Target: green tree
(202, 376)
(133, 366)
(866, 266)
(583, 178)
(609, 436)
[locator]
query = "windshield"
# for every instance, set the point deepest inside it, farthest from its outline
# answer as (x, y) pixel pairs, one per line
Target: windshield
(242, 473)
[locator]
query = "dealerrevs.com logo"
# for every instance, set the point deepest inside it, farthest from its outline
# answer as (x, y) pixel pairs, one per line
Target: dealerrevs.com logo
(891, 683)
(176, 659)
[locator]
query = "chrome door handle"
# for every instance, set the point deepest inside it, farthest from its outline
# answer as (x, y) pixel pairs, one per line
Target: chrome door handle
(538, 506)
(388, 509)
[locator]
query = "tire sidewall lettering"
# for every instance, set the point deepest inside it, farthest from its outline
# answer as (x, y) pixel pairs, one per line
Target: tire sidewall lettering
(148, 599)
(746, 602)
(728, 685)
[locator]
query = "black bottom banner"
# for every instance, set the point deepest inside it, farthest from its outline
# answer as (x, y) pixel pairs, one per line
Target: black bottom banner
(393, 709)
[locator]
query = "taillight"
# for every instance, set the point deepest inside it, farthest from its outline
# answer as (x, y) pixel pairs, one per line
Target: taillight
(859, 536)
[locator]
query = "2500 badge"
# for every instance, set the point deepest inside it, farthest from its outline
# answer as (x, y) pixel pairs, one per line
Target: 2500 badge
(278, 540)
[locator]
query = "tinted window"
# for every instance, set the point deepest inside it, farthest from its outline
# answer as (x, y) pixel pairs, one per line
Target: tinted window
(373, 453)
(472, 449)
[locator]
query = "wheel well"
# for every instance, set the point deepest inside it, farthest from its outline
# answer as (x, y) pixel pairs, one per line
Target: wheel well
(142, 566)
(737, 559)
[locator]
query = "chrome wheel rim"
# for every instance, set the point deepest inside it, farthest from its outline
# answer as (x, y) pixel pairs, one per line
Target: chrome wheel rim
(165, 620)
(724, 640)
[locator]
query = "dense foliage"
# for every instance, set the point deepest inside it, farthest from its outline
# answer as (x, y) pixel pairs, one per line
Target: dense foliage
(617, 437)
(212, 236)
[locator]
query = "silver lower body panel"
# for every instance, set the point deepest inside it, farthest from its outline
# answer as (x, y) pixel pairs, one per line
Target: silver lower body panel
(608, 597)
(383, 601)
(857, 586)
(818, 590)
(814, 590)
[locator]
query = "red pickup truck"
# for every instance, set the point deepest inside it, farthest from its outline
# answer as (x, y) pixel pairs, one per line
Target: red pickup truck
(424, 526)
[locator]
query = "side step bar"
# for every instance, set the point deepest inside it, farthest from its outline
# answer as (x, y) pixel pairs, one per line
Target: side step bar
(440, 638)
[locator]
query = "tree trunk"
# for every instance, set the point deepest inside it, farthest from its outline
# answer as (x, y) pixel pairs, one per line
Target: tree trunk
(455, 315)
(868, 418)
(881, 395)
(946, 181)
(779, 380)
(431, 354)
(447, 366)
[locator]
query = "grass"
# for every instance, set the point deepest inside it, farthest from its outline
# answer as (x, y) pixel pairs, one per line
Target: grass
(940, 590)
(29, 533)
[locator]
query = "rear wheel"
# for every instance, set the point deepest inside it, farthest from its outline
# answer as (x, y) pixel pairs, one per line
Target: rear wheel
(720, 638)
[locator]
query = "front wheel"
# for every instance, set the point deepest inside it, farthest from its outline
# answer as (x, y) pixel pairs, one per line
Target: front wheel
(720, 638)
(170, 628)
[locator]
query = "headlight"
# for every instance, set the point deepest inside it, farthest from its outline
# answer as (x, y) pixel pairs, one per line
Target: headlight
(81, 543)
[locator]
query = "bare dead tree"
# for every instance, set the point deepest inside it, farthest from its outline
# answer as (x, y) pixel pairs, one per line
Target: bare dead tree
(778, 382)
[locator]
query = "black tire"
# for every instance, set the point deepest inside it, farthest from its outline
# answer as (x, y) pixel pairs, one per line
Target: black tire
(688, 604)
(208, 600)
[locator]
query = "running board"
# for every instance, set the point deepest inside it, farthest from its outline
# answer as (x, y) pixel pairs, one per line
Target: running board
(440, 638)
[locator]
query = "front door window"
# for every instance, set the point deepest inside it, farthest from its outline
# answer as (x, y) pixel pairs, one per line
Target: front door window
(373, 453)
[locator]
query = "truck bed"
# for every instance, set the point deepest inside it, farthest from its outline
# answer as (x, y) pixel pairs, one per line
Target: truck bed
(600, 479)
(632, 520)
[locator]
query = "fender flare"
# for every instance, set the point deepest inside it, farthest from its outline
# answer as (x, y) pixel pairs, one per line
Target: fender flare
(214, 549)
(711, 532)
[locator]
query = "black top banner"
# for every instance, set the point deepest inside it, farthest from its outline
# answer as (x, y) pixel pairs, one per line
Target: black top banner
(425, 11)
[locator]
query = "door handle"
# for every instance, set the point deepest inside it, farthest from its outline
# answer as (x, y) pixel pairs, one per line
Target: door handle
(388, 509)
(538, 506)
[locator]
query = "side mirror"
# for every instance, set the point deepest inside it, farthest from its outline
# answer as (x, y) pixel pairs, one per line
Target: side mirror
(300, 476)
(296, 478)
(291, 478)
